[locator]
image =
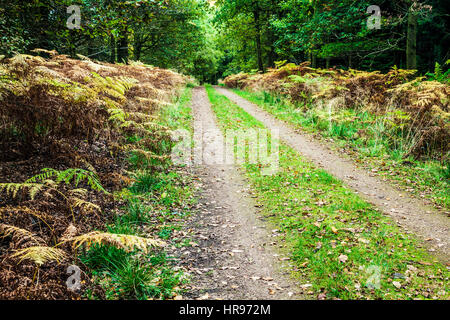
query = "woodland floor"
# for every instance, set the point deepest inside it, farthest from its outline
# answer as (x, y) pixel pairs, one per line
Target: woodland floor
(237, 255)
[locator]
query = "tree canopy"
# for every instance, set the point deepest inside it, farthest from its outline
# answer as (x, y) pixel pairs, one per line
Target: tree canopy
(212, 39)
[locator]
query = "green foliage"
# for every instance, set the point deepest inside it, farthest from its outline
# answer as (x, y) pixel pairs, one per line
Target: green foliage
(173, 34)
(439, 74)
(68, 176)
(124, 276)
(328, 33)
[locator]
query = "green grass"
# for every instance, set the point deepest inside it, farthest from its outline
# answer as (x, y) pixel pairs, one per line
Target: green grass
(156, 204)
(367, 139)
(123, 276)
(336, 241)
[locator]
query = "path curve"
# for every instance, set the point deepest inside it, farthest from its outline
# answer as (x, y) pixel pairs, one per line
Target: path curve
(410, 213)
(236, 257)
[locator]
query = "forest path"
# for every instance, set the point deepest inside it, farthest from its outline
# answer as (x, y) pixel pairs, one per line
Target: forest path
(408, 212)
(235, 257)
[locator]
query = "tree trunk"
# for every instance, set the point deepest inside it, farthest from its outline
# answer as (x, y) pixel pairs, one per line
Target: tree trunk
(90, 48)
(258, 40)
(137, 52)
(112, 44)
(411, 42)
(42, 38)
(137, 49)
(122, 50)
(313, 54)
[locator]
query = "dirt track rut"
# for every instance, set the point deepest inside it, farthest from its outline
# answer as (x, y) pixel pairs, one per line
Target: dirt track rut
(236, 257)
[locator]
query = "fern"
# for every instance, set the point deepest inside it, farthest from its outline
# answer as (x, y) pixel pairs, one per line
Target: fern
(116, 87)
(85, 206)
(28, 211)
(68, 176)
(80, 192)
(439, 75)
(122, 241)
(117, 114)
(298, 79)
(147, 155)
(8, 230)
(40, 254)
(12, 189)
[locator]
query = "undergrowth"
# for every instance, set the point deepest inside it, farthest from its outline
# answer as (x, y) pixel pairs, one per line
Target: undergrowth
(414, 110)
(78, 136)
(379, 141)
(150, 200)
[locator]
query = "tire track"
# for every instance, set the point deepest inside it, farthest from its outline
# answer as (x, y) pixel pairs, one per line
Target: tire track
(408, 212)
(235, 257)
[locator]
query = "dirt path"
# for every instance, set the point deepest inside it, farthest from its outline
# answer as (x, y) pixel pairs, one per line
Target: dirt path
(408, 212)
(236, 257)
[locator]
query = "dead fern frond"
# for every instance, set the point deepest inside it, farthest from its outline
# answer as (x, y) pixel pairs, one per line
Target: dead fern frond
(123, 241)
(86, 207)
(52, 53)
(148, 155)
(27, 211)
(8, 230)
(12, 189)
(22, 209)
(80, 192)
(40, 254)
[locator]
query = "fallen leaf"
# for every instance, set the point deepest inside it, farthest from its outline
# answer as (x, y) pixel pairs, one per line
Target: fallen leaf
(363, 240)
(343, 258)
(204, 297)
(303, 264)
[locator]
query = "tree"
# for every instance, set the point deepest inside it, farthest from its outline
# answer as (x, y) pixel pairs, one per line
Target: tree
(255, 15)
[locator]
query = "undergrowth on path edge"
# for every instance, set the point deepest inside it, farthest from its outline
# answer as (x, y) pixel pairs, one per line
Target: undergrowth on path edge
(350, 131)
(339, 245)
(156, 203)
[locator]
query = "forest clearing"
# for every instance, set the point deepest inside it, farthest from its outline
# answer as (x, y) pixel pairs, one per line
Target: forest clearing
(156, 152)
